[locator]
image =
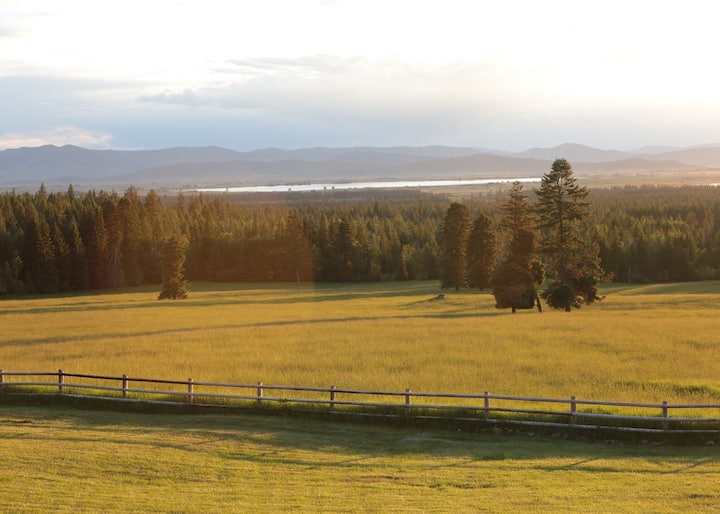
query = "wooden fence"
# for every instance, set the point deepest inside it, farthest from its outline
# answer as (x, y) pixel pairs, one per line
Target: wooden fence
(486, 407)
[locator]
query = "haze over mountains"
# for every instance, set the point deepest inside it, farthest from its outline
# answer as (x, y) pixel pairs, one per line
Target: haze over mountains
(214, 166)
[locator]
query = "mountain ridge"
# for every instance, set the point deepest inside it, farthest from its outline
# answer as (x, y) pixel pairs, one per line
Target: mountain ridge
(31, 166)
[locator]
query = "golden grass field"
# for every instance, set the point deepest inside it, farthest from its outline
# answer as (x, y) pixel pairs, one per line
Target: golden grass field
(643, 343)
(82, 461)
(74, 461)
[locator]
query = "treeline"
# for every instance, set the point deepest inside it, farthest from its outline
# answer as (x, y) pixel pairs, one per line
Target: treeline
(69, 241)
(658, 234)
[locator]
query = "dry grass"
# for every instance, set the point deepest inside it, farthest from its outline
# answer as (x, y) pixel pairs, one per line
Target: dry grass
(643, 343)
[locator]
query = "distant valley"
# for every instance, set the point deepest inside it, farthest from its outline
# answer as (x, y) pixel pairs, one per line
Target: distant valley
(195, 167)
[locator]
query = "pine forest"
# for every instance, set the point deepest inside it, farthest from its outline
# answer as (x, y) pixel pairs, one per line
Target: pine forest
(69, 241)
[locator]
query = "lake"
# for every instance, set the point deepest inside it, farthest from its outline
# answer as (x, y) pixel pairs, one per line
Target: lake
(280, 188)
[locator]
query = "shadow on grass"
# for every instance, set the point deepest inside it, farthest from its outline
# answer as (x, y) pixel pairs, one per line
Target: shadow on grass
(280, 323)
(267, 294)
(672, 288)
(240, 294)
(275, 437)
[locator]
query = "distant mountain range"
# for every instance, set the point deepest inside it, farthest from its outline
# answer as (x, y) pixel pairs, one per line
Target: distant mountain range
(212, 166)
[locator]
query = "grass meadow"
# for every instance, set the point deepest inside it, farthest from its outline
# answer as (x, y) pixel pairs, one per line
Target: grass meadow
(642, 343)
(64, 460)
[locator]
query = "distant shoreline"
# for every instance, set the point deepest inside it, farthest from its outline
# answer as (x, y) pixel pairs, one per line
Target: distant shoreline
(280, 188)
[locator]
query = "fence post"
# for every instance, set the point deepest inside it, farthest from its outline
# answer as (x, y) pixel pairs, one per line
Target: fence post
(573, 410)
(259, 392)
(190, 390)
(332, 397)
(407, 399)
(61, 381)
(124, 386)
(665, 414)
(2, 377)
(487, 405)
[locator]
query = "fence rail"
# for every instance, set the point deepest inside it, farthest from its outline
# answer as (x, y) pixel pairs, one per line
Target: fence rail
(486, 407)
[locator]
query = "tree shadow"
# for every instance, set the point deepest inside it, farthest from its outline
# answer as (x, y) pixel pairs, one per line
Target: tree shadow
(230, 326)
(243, 294)
(275, 436)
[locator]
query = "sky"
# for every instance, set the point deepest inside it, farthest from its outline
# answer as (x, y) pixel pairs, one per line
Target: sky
(247, 74)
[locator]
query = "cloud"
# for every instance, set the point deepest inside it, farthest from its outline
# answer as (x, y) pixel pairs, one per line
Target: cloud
(186, 97)
(325, 84)
(269, 82)
(358, 100)
(6, 31)
(66, 135)
(311, 66)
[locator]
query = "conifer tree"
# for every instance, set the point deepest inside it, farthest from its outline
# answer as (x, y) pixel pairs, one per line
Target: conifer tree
(456, 229)
(481, 253)
(519, 273)
(174, 286)
(152, 234)
(298, 250)
(574, 262)
(46, 277)
(129, 208)
(97, 249)
(78, 264)
(62, 256)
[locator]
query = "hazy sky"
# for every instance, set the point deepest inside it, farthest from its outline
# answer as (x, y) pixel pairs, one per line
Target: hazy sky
(246, 74)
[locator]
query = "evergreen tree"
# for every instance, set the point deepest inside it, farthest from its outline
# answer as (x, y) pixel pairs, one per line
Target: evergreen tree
(429, 261)
(114, 228)
(10, 260)
(153, 234)
(519, 273)
(46, 278)
(343, 240)
(362, 258)
(481, 253)
(129, 208)
(62, 257)
(174, 286)
(300, 251)
(97, 248)
(321, 248)
(456, 229)
(78, 265)
(574, 263)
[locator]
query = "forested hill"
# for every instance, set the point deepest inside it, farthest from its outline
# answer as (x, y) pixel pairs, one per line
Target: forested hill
(51, 242)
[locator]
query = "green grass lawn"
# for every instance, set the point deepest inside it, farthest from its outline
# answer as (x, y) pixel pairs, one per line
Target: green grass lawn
(65, 460)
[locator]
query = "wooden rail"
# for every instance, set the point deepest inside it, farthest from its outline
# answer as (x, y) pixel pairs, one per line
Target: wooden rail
(486, 407)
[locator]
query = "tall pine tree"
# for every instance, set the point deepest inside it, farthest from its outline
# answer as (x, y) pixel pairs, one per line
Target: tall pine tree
(174, 286)
(456, 229)
(574, 262)
(481, 253)
(519, 272)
